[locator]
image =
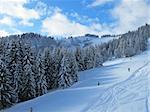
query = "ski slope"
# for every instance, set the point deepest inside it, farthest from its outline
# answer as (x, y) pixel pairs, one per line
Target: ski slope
(120, 90)
(130, 95)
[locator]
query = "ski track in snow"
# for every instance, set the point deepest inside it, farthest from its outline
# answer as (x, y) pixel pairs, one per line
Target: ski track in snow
(134, 89)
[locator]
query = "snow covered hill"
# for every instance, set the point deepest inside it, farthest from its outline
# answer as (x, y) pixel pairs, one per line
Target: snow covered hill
(84, 41)
(130, 95)
(39, 42)
(123, 87)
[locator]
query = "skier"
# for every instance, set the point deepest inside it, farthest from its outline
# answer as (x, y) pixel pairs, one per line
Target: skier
(98, 83)
(129, 69)
(31, 110)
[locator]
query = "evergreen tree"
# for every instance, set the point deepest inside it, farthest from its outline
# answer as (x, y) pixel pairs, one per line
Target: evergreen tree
(48, 63)
(98, 60)
(12, 60)
(73, 67)
(89, 57)
(57, 58)
(28, 84)
(64, 77)
(41, 78)
(8, 95)
(79, 54)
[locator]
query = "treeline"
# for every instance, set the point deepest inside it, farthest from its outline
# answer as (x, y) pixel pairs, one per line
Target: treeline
(26, 74)
(127, 45)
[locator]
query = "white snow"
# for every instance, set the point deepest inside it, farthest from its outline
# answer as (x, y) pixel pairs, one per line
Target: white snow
(120, 90)
(98, 41)
(84, 41)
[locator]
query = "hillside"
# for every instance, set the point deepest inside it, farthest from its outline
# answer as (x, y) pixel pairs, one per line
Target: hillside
(120, 90)
(85, 41)
(39, 42)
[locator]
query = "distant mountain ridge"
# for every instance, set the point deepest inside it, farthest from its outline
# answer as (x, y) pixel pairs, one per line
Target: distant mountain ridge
(38, 41)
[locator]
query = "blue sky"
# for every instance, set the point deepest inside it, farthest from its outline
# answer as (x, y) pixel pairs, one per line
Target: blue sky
(72, 17)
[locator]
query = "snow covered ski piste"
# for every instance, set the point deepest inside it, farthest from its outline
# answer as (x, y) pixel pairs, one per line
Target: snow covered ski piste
(131, 95)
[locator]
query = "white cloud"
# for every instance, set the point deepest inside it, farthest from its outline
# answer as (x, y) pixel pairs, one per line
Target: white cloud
(59, 24)
(99, 2)
(16, 9)
(83, 18)
(26, 23)
(130, 14)
(7, 21)
(42, 8)
(3, 33)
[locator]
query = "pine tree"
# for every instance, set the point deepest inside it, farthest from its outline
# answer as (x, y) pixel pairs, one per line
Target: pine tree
(73, 67)
(48, 63)
(28, 84)
(57, 58)
(41, 78)
(8, 95)
(19, 67)
(12, 60)
(79, 54)
(98, 60)
(89, 57)
(64, 77)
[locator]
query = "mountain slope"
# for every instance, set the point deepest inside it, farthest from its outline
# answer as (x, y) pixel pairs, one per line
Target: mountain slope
(39, 42)
(119, 90)
(84, 41)
(130, 95)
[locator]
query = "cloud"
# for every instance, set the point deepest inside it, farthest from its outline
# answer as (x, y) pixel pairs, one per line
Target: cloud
(26, 23)
(99, 2)
(6, 20)
(3, 33)
(130, 14)
(17, 9)
(83, 18)
(41, 8)
(59, 24)
(126, 14)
